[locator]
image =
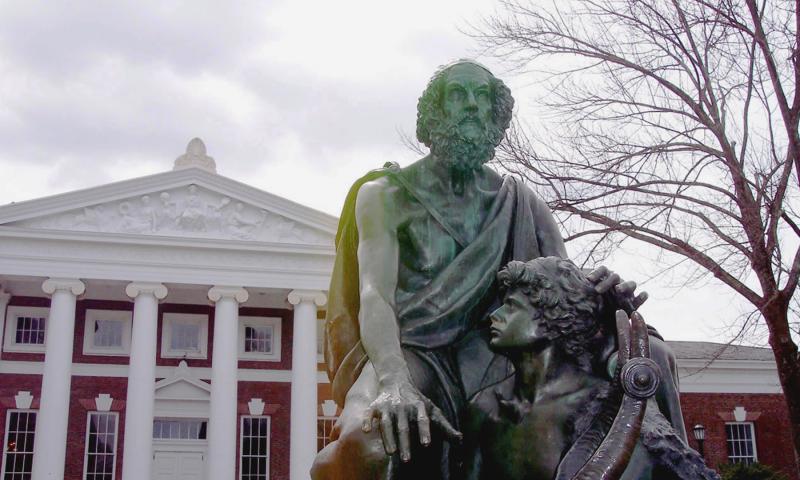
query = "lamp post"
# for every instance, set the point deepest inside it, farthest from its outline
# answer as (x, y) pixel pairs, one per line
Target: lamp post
(700, 435)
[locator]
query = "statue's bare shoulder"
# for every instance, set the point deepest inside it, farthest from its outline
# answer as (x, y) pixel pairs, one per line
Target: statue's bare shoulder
(376, 205)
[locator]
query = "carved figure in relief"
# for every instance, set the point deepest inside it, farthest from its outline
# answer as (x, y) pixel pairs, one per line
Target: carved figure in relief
(148, 214)
(167, 217)
(239, 224)
(193, 216)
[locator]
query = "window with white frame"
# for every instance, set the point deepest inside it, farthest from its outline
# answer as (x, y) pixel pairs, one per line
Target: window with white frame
(184, 335)
(107, 332)
(26, 329)
(179, 429)
(18, 444)
(741, 442)
(254, 448)
(100, 459)
(324, 429)
(260, 338)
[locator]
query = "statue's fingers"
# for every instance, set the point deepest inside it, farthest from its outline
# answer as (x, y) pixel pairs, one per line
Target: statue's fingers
(640, 299)
(626, 288)
(597, 274)
(387, 432)
(608, 282)
(403, 434)
(423, 424)
(366, 419)
(440, 420)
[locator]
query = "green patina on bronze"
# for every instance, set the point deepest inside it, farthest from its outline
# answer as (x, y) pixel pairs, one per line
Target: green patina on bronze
(414, 282)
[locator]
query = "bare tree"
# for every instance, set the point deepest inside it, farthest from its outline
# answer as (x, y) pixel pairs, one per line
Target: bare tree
(675, 124)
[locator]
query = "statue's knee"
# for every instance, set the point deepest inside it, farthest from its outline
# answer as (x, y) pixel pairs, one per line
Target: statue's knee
(354, 455)
(356, 445)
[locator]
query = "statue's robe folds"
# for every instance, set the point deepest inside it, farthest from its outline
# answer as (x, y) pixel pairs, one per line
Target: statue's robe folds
(442, 315)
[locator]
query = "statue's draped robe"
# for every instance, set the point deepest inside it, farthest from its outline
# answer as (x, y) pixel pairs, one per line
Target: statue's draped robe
(440, 320)
(443, 320)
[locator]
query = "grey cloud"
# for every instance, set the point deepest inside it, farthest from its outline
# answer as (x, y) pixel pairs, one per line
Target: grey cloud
(188, 36)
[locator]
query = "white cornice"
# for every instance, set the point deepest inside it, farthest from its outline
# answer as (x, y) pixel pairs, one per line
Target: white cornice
(144, 185)
(164, 260)
(155, 240)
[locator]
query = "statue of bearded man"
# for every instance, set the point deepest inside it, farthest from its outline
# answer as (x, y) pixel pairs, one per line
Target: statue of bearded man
(418, 250)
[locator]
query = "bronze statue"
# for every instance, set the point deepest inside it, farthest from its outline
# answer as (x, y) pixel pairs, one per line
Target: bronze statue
(552, 419)
(418, 249)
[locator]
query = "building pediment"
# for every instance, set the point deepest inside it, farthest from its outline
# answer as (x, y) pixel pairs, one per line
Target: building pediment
(187, 203)
(183, 385)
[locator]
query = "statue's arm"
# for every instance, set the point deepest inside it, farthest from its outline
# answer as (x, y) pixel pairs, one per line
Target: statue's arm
(378, 264)
(399, 403)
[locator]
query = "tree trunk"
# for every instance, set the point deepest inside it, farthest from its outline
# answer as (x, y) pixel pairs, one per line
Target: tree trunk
(786, 357)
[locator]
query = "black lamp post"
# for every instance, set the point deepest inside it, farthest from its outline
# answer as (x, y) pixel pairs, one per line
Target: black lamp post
(700, 435)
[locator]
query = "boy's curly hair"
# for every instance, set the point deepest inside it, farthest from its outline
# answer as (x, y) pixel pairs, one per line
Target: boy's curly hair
(570, 305)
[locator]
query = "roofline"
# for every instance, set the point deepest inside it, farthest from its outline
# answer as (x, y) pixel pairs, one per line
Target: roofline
(122, 189)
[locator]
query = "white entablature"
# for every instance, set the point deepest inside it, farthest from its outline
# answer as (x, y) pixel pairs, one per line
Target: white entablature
(188, 225)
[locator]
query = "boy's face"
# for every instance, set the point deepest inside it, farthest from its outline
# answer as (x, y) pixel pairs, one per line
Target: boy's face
(516, 324)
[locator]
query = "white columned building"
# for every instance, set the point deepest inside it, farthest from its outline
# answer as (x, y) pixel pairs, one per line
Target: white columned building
(141, 378)
(50, 441)
(304, 384)
(222, 420)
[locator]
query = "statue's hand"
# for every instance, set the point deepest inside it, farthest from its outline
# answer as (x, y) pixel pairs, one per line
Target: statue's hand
(624, 293)
(399, 404)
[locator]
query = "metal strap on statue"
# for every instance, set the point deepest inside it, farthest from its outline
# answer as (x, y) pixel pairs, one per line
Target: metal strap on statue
(394, 172)
(609, 445)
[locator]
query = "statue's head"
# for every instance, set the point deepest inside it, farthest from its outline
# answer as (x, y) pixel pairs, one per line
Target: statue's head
(547, 300)
(463, 114)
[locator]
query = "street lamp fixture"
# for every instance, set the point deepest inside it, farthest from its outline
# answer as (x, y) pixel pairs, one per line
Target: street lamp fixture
(699, 432)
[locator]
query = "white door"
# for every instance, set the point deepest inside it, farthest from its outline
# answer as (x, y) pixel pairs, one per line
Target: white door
(178, 466)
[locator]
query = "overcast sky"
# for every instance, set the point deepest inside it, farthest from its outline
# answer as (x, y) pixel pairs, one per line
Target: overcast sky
(296, 98)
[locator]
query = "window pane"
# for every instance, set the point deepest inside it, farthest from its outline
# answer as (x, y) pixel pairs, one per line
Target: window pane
(18, 445)
(183, 429)
(740, 442)
(108, 333)
(254, 442)
(101, 445)
(258, 338)
(185, 336)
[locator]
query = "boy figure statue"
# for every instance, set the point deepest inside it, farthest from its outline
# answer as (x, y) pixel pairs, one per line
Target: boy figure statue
(546, 420)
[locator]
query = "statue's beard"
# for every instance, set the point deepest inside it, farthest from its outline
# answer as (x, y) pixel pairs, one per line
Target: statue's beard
(463, 156)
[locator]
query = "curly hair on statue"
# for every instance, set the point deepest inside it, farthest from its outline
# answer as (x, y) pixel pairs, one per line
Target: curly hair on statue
(429, 107)
(570, 305)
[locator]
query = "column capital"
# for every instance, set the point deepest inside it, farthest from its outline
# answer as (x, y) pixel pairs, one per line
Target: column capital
(298, 296)
(4, 296)
(73, 285)
(218, 292)
(134, 289)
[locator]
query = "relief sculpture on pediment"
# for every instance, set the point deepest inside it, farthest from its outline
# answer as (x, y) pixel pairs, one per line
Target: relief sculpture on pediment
(186, 212)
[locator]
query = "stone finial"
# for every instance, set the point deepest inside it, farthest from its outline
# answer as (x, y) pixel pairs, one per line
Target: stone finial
(196, 156)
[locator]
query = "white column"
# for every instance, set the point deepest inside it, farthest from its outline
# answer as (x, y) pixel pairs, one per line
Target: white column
(222, 417)
(303, 430)
(50, 441)
(138, 453)
(4, 298)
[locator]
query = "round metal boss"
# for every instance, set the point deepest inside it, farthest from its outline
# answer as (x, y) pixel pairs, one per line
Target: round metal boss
(640, 377)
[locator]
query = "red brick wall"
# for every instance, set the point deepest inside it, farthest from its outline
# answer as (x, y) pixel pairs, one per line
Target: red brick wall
(277, 396)
(773, 436)
(84, 391)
